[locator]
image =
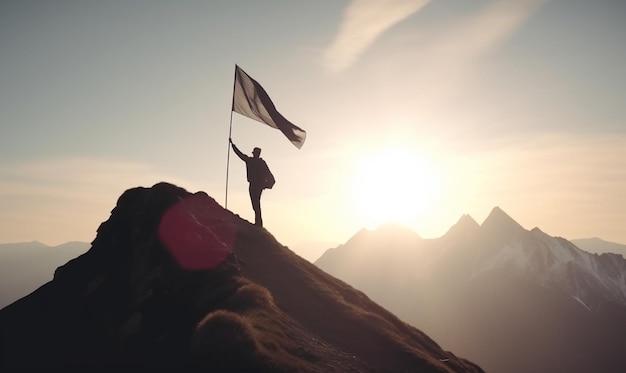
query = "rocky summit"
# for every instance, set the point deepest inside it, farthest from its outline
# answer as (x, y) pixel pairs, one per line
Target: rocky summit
(173, 279)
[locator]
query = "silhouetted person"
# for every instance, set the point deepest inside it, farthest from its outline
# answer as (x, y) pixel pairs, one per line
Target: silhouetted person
(259, 176)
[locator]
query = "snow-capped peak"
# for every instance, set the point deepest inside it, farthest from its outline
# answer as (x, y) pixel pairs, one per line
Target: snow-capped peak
(556, 262)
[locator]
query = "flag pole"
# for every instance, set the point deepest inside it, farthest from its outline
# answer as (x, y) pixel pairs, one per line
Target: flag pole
(228, 158)
(230, 131)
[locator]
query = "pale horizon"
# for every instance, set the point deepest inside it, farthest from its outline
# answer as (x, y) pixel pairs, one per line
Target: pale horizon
(416, 112)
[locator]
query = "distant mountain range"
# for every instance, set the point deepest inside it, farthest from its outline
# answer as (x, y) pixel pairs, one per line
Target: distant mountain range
(174, 280)
(512, 300)
(599, 246)
(25, 266)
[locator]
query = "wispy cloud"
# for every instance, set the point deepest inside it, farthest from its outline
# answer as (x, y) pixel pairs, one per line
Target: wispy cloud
(483, 31)
(363, 22)
(457, 47)
(447, 59)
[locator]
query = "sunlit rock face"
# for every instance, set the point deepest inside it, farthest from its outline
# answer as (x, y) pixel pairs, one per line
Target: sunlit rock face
(512, 300)
(173, 279)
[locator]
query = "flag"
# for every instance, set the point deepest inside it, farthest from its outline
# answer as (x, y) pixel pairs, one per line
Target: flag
(251, 100)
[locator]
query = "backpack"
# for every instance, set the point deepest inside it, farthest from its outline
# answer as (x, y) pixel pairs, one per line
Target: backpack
(269, 181)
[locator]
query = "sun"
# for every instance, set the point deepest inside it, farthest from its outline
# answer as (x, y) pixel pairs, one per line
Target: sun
(394, 185)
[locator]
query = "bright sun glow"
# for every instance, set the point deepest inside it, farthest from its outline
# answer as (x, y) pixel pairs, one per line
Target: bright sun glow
(394, 185)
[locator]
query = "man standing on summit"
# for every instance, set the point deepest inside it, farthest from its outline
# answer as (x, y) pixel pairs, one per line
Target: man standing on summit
(259, 176)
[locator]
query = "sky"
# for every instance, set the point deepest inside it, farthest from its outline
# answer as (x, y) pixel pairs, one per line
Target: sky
(416, 112)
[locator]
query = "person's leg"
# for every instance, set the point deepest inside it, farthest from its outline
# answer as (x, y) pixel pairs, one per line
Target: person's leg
(255, 198)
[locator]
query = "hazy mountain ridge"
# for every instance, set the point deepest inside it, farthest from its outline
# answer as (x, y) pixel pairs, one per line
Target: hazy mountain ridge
(482, 287)
(24, 266)
(553, 261)
(503, 244)
(173, 279)
(599, 246)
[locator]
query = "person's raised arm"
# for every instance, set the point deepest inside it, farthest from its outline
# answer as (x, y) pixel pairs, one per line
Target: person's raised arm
(237, 151)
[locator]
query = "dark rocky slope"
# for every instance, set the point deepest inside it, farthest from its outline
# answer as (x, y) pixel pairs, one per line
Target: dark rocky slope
(173, 279)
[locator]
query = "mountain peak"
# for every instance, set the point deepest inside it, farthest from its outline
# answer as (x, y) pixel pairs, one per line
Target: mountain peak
(498, 214)
(172, 278)
(387, 234)
(499, 223)
(464, 227)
